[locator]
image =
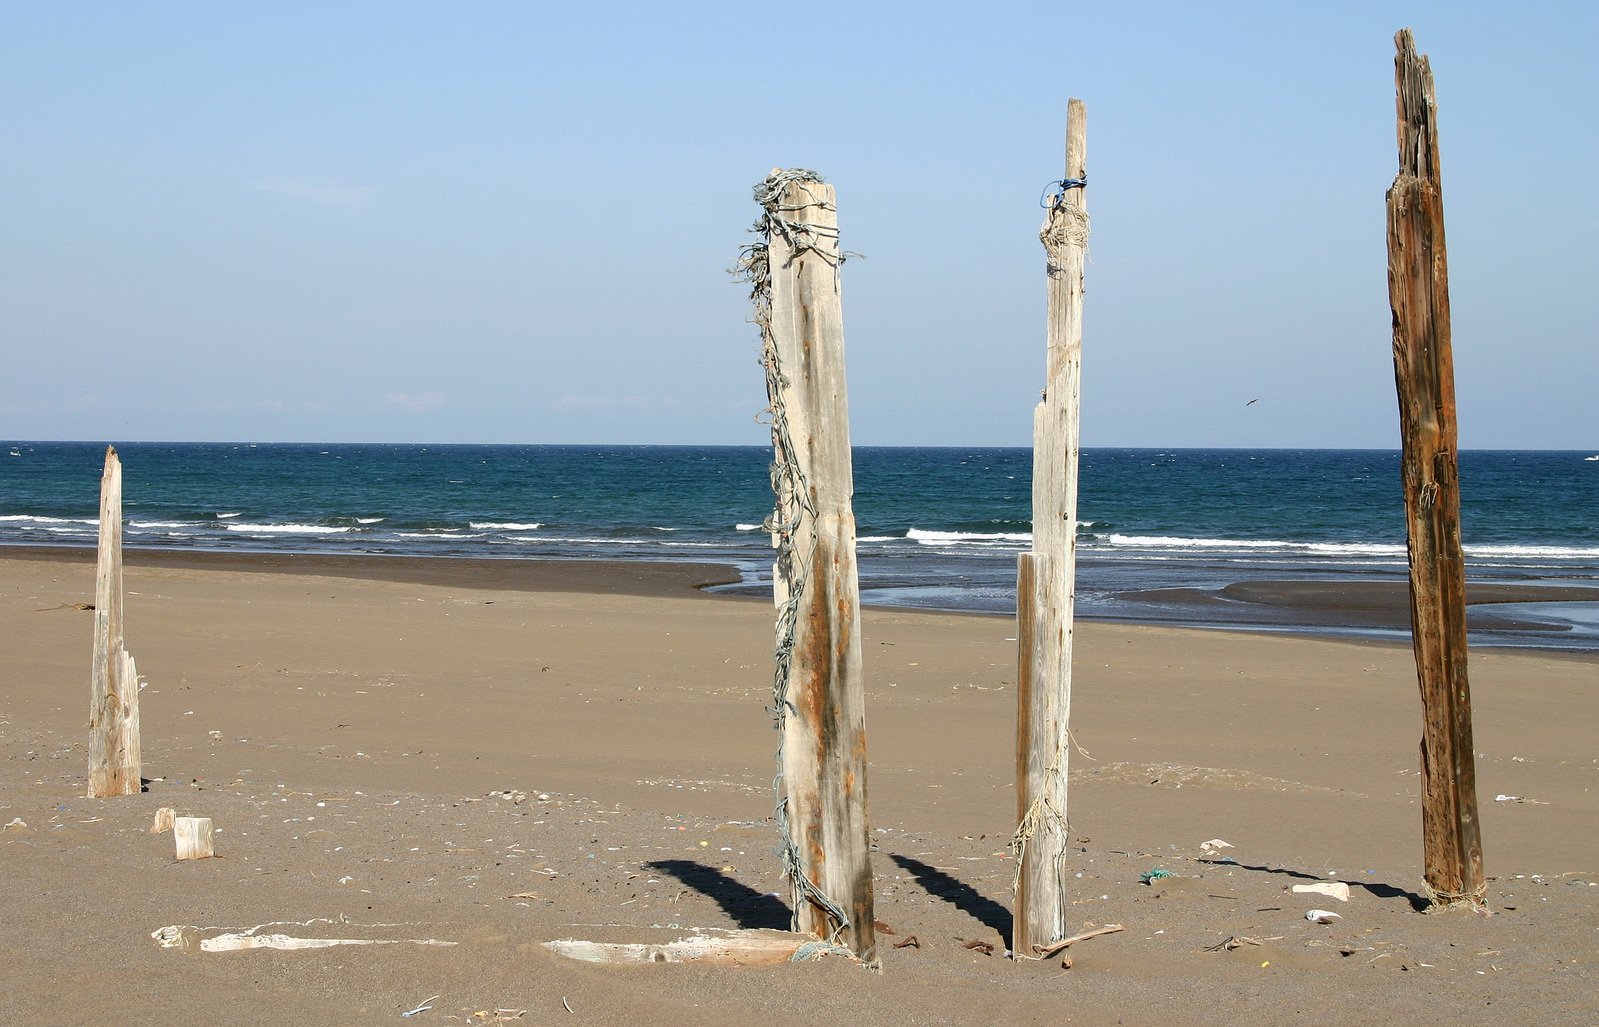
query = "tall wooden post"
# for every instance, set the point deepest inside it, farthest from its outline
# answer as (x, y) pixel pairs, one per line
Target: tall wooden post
(1418, 291)
(1045, 578)
(818, 699)
(113, 681)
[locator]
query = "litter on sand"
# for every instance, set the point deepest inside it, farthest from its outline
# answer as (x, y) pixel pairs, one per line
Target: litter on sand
(1322, 916)
(1331, 889)
(426, 1004)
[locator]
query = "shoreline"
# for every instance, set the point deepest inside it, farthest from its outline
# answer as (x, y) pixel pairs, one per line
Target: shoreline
(1361, 611)
(590, 577)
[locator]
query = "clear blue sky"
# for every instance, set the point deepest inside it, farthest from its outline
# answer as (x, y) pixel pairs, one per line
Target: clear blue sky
(512, 222)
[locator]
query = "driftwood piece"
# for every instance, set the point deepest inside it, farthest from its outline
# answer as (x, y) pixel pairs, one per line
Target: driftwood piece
(114, 762)
(1046, 576)
(163, 820)
(733, 948)
(193, 836)
(1418, 291)
(191, 939)
(1045, 951)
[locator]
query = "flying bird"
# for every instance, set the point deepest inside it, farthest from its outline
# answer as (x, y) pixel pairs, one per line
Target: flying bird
(1252, 402)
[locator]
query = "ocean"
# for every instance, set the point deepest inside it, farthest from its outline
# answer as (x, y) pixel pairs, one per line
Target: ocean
(938, 527)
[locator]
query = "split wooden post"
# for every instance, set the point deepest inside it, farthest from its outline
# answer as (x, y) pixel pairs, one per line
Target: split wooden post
(1045, 576)
(1418, 291)
(818, 697)
(113, 681)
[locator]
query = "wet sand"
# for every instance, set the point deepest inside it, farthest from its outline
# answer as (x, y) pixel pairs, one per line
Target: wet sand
(498, 756)
(1359, 605)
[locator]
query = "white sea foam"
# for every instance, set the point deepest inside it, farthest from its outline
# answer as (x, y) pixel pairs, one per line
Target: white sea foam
(1178, 542)
(370, 520)
(286, 529)
(505, 526)
(573, 540)
(226, 516)
(748, 527)
(1343, 549)
(19, 518)
(1346, 550)
(1533, 552)
(442, 533)
(160, 524)
(955, 538)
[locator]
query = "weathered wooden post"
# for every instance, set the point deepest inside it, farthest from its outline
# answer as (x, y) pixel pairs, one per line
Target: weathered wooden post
(817, 701)
(1045, 576)
(113, 681)
(1418, 291)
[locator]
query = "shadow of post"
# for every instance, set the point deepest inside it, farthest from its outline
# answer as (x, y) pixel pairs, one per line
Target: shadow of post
(1377, 889)
(958, 894)
(747, 907)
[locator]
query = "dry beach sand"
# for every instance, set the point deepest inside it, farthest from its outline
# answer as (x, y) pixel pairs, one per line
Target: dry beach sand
(498, 756)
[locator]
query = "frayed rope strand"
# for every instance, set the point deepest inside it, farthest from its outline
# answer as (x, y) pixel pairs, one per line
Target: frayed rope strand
(1042, 815)
(793, 507)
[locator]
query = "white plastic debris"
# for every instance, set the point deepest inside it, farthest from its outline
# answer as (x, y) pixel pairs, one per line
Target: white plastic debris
(1322, 916)
(1214, 845)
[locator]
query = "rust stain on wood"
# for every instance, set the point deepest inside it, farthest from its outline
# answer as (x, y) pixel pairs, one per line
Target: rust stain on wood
(1424, 377)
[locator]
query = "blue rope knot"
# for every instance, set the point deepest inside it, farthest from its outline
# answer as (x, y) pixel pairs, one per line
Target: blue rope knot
(1055, 192)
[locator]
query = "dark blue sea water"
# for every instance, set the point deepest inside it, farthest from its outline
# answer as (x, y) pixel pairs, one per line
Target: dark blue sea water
(938, 527)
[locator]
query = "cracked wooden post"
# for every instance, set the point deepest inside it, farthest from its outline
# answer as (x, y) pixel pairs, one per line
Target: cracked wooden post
(1045, 578)
(814, 585)
(1418, 291)
(113, 680)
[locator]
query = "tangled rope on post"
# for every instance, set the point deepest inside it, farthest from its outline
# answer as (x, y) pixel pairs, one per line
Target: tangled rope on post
(1054, 194)
(1476, 899)
(1042, 815)
(794, 508)
(1064, 226)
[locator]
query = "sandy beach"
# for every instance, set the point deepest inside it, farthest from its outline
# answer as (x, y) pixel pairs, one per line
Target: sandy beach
(497, 754)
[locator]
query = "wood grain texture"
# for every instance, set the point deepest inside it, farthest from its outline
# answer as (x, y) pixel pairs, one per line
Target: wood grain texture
(824, 743)
(114, 761)
(754, 947)
(1044, 629)
(193, 837)
(1418, 290)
